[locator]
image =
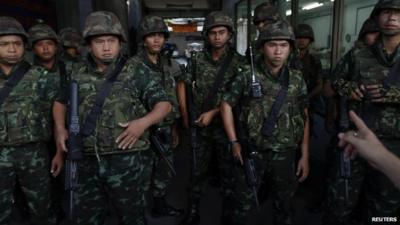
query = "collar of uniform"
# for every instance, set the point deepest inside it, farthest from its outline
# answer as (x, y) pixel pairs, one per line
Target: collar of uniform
(383, 57)
(4, 76)
(144, 57)
(66, 57)
(208, 55)
(54, 68)
(92, 66)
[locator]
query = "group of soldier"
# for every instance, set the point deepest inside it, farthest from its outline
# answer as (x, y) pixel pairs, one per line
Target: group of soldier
(249, 117)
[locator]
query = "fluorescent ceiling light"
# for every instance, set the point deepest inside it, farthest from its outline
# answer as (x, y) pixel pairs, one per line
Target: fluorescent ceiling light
(312, 5)
(288, 12)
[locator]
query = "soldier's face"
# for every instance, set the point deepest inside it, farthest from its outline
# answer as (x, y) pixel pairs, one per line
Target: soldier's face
(276, 52)
(302, 43)
(105, 48)
(11, 49)
(45, 49)
(389, 21)
(218, 36)
(154, 42)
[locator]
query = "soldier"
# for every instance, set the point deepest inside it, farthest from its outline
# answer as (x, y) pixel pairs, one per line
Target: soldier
(275, 138)
(117, 160)
(311, 64)
(367, 81)
(209, 72)
(26, 96)
(44, 43)
(70, 40)
(153, 33)
(264, 14)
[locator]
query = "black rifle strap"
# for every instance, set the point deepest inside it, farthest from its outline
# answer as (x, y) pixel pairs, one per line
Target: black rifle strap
(91, 119)
(217, 83)
(13, 80)
(393, 76)
(270, 121)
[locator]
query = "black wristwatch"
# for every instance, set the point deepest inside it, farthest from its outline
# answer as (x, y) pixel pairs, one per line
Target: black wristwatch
(233, 142)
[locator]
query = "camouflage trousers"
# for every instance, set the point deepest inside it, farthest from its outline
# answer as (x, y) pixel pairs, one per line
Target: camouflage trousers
(162, 176)
(30, 165)
(117, 181)
(382, 198)
(216, 146)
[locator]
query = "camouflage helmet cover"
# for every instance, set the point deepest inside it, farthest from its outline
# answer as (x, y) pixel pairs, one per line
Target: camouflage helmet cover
(9, 25)
(369, 26)
(217, 18)
(40, 32)
(384, 4)
(304, 31)
(103, 23)
(280, 30)
(266, 11)
(70, 37)
(152, 24)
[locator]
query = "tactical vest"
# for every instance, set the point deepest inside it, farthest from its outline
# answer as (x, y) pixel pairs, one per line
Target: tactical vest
(289, 128)
(386, 123)
(122, 105)
(25, 115)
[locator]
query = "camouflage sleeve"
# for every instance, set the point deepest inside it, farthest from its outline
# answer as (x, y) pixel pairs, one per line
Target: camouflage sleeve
(236, 89)
(392, 95)
(150, 88)
(342, 75)
(64, 82)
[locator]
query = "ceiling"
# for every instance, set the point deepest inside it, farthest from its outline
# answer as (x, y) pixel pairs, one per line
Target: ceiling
(181, 8)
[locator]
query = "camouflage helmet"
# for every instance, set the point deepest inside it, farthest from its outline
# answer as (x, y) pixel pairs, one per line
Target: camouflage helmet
(152, 24)
(9, 26)
(70, 37)
(304, 31)
(266, 12)
(369, 26)
(384, 4)
(40, 32)
(103, 23)
(280, 30)
(217, 18)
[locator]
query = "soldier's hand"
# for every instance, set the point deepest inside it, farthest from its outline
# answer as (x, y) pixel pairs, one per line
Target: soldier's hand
(357, 93)
(134, 129)
(237, 152)
(205, 118)
(303, 169)
(57, 163)
(375, 92)
(60, 137)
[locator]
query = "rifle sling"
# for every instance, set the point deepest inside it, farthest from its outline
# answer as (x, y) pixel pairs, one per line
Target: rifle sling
(270, 121)
(207, 105)
(91, 119)
(14, 79)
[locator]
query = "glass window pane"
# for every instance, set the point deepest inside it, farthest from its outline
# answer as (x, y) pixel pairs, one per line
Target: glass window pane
(319, 15)
(241, 26)
(355, 13)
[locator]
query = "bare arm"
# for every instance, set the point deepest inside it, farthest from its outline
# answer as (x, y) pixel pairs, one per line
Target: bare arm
(135, 128)
(229, 125)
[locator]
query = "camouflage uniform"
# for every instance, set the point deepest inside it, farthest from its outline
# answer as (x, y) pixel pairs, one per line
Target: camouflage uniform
(311, 64)
(108, 173)
(70, 38)
(212, 140)
(37, 33)
(25, 128)
(368, 65)
(167, 71)
(276, 154)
